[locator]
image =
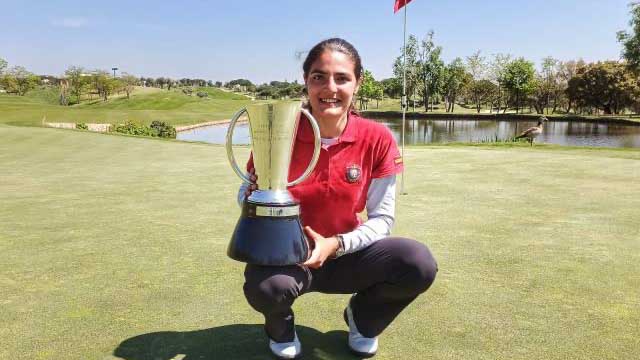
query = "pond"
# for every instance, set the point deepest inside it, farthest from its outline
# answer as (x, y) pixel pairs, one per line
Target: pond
(426, 131)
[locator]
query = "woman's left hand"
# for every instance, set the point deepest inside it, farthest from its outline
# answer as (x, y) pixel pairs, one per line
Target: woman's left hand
(324, 248)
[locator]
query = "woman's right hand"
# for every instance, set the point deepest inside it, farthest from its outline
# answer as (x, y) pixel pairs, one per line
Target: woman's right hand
(253, 185)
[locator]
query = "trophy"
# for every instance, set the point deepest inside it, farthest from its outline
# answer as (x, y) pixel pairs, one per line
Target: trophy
(269, 231)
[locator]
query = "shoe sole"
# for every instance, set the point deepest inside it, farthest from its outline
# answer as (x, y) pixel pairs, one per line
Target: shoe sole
(299, 356)
(361, 354)
(281, 358)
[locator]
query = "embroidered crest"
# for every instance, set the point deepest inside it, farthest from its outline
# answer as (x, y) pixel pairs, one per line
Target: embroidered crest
(353, 173)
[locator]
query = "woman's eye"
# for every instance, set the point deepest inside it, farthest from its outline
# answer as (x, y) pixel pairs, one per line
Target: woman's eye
(317, 77)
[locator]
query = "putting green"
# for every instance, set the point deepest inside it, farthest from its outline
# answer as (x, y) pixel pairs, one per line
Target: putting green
(114, 247)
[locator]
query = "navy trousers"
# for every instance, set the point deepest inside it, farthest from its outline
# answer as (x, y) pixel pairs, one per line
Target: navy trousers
(386, 276)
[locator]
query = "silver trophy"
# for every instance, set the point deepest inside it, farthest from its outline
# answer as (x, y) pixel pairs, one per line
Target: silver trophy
(269, 231)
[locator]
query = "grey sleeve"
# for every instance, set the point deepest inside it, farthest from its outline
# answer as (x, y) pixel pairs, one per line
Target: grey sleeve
(381, 206)
(243, 188)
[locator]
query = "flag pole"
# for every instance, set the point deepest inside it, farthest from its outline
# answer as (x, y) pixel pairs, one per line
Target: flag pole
(403, 100)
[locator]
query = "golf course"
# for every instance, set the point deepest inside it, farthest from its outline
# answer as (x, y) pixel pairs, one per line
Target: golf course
(114, 247)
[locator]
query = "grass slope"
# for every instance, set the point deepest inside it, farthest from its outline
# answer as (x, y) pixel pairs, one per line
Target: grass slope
(114, 247)
(145, 105)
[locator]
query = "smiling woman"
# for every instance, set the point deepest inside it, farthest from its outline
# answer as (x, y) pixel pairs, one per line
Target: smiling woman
(355, 171)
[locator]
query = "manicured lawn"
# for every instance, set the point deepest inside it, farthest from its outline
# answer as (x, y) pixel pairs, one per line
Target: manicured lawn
(114, 247)
(145, 105)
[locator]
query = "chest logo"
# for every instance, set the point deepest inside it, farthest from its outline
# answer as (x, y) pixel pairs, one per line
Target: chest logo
(353, 173)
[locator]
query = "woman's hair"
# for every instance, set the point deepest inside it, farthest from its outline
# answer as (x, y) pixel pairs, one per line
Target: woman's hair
(333, 44)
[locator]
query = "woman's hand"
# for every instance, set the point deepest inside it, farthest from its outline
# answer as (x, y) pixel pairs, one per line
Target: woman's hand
(323, 248)
(252, 186)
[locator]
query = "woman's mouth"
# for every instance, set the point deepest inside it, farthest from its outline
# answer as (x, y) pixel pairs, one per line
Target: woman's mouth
(329, 101)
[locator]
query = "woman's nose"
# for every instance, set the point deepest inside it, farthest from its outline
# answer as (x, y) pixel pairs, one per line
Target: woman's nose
(331, 84)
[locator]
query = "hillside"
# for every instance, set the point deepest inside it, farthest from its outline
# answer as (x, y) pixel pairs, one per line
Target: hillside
(145, 105)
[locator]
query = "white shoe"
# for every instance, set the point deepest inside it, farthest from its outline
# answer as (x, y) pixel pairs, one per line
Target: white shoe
(287, 350)
(360, 345)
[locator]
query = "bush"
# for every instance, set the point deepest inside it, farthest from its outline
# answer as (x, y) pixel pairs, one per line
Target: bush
(161, 129)
(131, 128)
(157, 129)
(202, 94)
(82, 126)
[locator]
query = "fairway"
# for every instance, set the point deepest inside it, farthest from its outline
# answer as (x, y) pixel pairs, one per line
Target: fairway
(113, 247)
(145, 106)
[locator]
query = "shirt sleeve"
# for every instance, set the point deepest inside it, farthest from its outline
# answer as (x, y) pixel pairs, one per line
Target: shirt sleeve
(243, 188)
(389, 158)
(245, 185)
(381, 205)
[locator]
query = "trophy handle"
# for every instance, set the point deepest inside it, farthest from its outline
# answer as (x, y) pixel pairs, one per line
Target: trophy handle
(232, 159)
(316, 150)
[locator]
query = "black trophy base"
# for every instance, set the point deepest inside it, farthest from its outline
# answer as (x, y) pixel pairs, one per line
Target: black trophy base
(276, 240)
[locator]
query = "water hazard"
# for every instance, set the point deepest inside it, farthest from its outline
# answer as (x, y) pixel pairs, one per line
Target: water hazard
(423, 131)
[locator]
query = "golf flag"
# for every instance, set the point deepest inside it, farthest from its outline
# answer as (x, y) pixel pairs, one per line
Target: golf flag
(399, 5)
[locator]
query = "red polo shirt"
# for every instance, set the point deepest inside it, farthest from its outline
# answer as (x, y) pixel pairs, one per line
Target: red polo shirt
(336, 191)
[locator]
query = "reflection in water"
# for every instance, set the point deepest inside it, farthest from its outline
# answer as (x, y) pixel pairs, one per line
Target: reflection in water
(423, 131)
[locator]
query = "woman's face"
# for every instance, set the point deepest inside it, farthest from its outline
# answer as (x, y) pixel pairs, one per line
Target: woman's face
(331, 84)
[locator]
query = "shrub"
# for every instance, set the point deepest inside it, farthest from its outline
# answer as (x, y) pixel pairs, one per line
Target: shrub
(202, 94)
(157, 129)
(161, 129)
(131, 128)
(82, 126)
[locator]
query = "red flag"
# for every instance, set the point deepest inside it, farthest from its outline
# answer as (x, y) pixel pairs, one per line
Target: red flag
(399, 5)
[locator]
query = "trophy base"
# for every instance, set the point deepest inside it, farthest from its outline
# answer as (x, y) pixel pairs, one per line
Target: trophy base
(269, 234)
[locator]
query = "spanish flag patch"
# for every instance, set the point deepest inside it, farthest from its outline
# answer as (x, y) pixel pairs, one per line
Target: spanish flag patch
(398, 160)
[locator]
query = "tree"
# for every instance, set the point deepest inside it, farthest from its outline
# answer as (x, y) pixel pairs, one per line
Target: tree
(19, 81)
(551, 82)
(481, 92)
(631, 40)
(78, 81)
(369, 89)
(609, 86)
(411, 62)
(519, 78)
(566, 71)
(9, 83)
(392, 87)
(540, 94)
(3, 65)
(423, 69)
(128, 82)
(455, 80)
(240, 82)
(430, 70)
(266, 91)
(497, 68)
(477, 66)
(104, 84)
(478, 89)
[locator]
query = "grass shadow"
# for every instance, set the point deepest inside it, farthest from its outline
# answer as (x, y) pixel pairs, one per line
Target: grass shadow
(241, 341)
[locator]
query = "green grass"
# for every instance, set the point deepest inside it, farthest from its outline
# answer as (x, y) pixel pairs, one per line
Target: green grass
(145, 105)
(114, 247)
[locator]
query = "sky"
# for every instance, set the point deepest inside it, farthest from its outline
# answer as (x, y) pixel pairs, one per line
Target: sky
(261, 40)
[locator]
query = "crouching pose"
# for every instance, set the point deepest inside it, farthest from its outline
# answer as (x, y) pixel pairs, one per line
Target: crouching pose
(356, 170)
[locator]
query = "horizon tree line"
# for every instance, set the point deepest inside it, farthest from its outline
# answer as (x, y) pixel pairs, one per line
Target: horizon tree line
(497, 83)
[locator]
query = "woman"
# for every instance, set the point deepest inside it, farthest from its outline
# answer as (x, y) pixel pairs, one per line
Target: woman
(356, 169)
